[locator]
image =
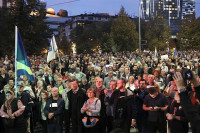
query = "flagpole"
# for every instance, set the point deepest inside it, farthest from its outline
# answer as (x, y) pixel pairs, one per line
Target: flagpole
(16, 30)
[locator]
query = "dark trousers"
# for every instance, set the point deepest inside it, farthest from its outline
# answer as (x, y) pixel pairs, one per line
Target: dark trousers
(77, 126)
(67, 121)
(95, 129)
(54, 128)
(124, 124)
(153, 127)
(109, 124)
(44, 126)
(1, 125)
(141, 121)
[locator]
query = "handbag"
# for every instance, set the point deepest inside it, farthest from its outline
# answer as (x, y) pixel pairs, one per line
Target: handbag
(90, 121)
(8, 122)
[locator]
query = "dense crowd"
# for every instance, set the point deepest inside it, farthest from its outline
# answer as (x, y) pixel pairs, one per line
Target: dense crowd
(109, 92)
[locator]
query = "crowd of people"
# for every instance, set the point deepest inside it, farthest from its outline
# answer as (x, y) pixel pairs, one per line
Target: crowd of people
(103, 93)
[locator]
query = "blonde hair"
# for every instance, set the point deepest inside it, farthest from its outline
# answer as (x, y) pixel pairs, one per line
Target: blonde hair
(91, 89)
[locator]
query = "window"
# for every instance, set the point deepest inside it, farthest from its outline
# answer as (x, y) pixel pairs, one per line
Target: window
(90, 18)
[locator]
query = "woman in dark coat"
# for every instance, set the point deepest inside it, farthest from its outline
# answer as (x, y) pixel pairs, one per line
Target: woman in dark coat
(41, 105)
(12, 111)
(176, 118)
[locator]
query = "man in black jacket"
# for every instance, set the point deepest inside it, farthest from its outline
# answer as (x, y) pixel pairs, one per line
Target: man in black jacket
(54, 111)
(76, 97)
(124, 108)
(27, 101)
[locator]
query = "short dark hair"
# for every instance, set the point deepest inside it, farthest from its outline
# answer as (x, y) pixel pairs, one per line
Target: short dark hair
(152, 90)
(123, 80)
(74, 80)
(143, 80)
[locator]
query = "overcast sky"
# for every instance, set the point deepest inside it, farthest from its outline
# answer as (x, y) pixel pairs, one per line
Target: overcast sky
(100, 6)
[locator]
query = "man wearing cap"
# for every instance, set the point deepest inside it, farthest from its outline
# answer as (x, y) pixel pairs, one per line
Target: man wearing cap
(27, 101)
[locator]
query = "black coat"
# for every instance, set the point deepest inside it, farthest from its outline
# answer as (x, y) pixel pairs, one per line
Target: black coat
(20, 121)
(130, 104)
(58, 114)
(177, 126)
(190, 112)
(27, 102)
(3, 81)
(79, 103)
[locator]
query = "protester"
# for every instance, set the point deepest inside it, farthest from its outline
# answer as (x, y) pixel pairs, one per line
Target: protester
(11, 112)
(66, 110)
(40, 108)
(27, 101)
(176, 118)
(155, 103)
(124, 107)
(76, 97)
(109, 108)
(92, 109)
(141, 114)
(157, 72)
(54, 112)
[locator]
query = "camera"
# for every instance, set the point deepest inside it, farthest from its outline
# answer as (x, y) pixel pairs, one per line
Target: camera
(186, 75)
(152, 108)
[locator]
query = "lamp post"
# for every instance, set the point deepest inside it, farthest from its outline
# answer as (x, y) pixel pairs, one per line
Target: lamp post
(139, 28)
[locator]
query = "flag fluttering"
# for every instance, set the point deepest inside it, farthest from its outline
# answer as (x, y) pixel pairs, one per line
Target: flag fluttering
(22, 63)
(53, 49)
(156, 53)
(174, 52)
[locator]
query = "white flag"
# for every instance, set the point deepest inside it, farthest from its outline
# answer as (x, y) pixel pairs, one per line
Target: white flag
(156, 53)
(52, 50)
(54, 44)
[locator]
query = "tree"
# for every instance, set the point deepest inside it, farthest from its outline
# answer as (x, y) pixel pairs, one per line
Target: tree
(65, 46)
(123, 32)
(90, 36)
(189, 33)
(157, 33)
(33, 29)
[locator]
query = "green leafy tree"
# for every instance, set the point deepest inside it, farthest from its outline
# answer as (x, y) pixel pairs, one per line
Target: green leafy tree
(157, 33)
(29, 16)
(65, 46)
(123, 33)
(189, 33)
(90, 36)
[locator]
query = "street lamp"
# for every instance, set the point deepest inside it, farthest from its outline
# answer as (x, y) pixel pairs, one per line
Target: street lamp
(140, 2)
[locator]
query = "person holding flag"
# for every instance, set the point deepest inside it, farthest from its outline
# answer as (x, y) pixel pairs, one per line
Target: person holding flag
(22, 67)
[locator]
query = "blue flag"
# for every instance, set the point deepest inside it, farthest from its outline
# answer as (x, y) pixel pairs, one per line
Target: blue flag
(22, 63)
(175, 52)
